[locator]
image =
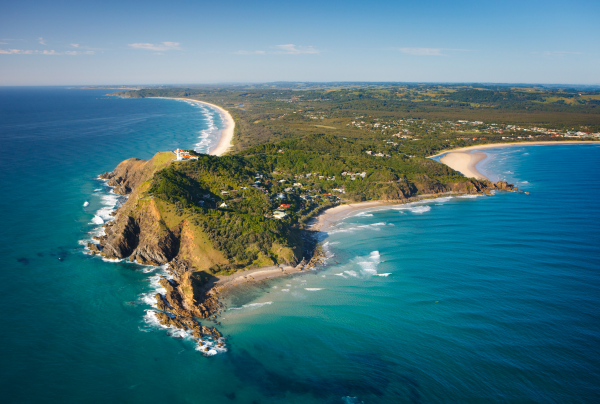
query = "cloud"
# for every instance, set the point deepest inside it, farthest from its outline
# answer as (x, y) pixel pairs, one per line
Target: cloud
(163, 46)
(428, 51)
(242, 52)
(79, 53)
(422, 51)
(559, 53)
(44, 52)
(41, 41)
(292, 49)
(75, 45)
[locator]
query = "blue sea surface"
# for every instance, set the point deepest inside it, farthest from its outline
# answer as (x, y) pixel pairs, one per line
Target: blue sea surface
(488, 299)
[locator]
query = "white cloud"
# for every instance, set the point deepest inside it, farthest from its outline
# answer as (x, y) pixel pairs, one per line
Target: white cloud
(79, 52)
(163, 46)
(41, 41)
(75, 45)
(429, 51)
(242, 52)
(44, 52)
(422, 51)
(292, 49)
(559, 53)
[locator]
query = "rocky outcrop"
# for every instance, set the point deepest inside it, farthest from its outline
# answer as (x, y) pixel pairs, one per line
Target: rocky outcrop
(502, 186)
(187, 298)
(128, 175)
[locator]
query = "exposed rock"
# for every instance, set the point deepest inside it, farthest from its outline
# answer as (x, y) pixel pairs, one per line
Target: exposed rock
(93, 247)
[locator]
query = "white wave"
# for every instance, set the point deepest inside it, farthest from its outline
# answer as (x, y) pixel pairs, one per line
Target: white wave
(385, 275)
(112, 259)
(313, 289)
(97, 220)
(86, 203)
(443, 199)
(469, 196)
(364, 214)
(251, 305)
(351, 273)
(285, 290)
(420, 209)
(341, 274)
(99, 189)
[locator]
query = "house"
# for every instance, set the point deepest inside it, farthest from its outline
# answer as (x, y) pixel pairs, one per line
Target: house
(279, 214)
(284, 206)
(223, 205)
(297, 184)
(183, 155)
(224, 193)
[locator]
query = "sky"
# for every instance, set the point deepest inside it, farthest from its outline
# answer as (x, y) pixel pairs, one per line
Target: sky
(192, 42)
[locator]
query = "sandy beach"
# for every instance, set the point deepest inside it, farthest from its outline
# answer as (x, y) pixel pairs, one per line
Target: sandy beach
(465, 163)
(255, 275)
(498, 145)
(226, 134)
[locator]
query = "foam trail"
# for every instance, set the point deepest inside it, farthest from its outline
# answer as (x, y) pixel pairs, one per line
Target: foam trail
(251, 305)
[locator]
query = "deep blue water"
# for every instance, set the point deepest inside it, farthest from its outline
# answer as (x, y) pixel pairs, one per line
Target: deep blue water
(490, 299)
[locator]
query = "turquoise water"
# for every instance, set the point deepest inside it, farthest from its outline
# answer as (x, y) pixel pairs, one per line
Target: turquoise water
(486, 299)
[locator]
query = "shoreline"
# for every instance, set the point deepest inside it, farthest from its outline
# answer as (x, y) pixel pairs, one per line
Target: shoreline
(512, 144)
(321, 223)
(465, 161)
(226, 138)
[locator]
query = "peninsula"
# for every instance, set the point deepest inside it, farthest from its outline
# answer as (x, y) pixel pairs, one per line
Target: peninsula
(245, 212)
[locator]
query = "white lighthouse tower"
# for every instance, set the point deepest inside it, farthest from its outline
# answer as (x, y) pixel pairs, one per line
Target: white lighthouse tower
(179, 154)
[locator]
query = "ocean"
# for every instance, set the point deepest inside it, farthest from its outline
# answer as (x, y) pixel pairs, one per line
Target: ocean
(488, 299)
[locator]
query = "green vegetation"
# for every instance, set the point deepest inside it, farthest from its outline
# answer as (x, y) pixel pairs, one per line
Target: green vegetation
(280, 111)
(302, 148)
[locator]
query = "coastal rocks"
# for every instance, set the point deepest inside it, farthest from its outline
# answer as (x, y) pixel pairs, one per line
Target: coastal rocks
(127, 175)
(121, 239)
(93, 247)
(502, 185)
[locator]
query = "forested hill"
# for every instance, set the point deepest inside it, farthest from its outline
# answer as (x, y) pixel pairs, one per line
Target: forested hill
(427, 118)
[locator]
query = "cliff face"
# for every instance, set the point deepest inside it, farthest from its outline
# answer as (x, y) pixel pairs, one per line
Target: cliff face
(403, 191)
(142, 230)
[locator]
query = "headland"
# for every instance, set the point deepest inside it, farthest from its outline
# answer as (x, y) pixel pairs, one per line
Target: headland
(219, 223)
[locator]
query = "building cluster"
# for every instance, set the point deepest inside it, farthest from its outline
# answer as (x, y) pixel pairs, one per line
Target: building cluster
(182, 155)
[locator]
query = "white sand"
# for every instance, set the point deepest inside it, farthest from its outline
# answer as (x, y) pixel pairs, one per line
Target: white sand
(498, 145)
(465, 163)
(226, 134)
